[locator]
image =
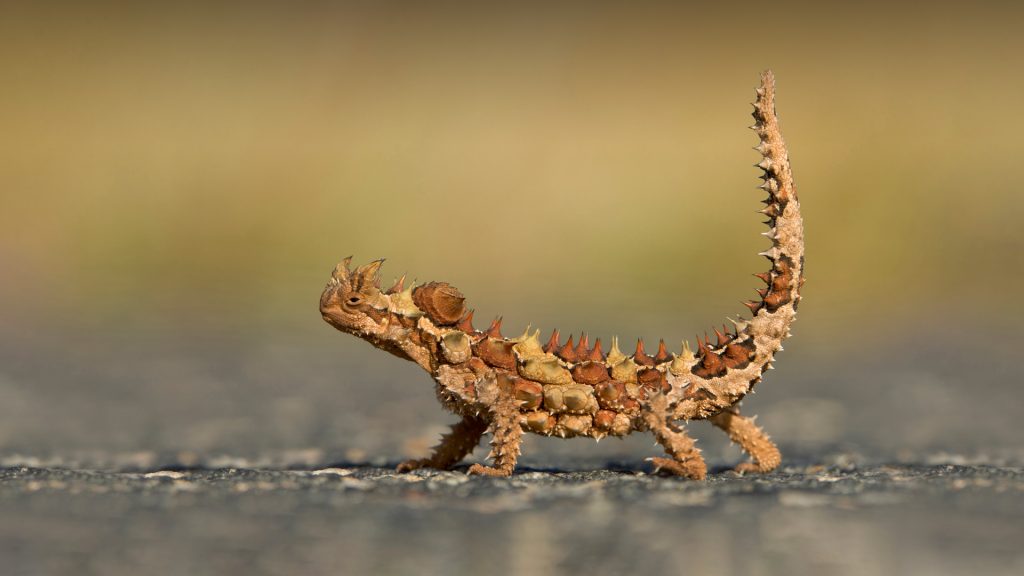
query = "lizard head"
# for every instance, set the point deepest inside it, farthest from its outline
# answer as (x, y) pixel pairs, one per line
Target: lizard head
(353, 302)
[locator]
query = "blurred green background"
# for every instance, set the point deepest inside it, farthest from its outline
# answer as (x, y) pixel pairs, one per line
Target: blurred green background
(176, 183)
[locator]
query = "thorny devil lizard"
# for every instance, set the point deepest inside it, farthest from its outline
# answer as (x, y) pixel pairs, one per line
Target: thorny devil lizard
(508, 386)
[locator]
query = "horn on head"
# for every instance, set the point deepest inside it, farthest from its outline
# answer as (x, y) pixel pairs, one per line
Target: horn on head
(367, 275)
(341, 272)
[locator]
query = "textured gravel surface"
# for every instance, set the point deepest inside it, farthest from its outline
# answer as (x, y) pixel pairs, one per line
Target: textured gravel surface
(846, 517)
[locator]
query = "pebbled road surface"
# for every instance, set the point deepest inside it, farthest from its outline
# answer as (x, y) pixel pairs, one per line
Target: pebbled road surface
(847, 516)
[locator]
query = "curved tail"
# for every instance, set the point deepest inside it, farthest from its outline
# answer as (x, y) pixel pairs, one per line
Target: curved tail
(720, 374)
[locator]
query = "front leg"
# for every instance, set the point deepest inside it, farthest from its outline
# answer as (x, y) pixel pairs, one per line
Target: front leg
(508, 436)
(764, 454)
(454, 446)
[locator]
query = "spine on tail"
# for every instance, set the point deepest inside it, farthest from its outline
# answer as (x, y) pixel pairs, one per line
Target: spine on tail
(723, 373)
(779, 300)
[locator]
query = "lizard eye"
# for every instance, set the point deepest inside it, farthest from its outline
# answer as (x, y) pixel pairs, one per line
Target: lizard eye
(353, 299)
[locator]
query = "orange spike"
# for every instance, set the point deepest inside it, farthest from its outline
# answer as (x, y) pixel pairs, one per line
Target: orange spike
(765, 277)
(763, 292)
(641, 357)
(552, 344)
(581, 348)
(754, 306)
(704, 346)
(566, 352)
(662, 354)
(466, 324)
(495, 330)
(596, 354)
(398, 287)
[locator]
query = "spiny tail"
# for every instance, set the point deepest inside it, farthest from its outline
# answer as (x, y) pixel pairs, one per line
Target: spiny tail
(729, 369)
(786, 226)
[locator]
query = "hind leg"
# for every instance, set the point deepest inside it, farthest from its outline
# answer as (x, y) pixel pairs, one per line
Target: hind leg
(685, 460)
(763, 453)
(454, 446)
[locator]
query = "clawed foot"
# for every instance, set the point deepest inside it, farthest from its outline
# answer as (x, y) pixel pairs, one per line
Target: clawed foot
(481, 470)
(752, 468)
(415, 464)
(693, 469)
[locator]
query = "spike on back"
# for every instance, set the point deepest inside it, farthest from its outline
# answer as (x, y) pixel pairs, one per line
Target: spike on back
(662, 354)
(596, 354)
(582, 347)
(640, 357)
(398, 286)
(466, 324)
(494, 331)
(567, 352)
(552, 343)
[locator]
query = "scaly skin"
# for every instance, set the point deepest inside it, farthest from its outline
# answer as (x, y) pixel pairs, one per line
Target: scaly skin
(508, 386)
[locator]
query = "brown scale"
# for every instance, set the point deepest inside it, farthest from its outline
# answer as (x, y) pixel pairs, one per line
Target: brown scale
(540, 422)
(441, 302)
(497, 353)
(652, 379)
(711, 364)
(630, 407)
(738, 354)
(574, 398)
(610, 394)
(529, 393)
(574, 424)
(590, 372)
(698, 394)
(478, 366)
(604, 419)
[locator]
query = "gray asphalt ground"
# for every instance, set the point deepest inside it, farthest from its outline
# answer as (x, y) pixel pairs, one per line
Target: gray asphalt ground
(135, 455)
(840, 518)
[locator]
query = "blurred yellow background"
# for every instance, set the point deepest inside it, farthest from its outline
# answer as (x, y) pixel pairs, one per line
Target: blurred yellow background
(218, 160)
(200, 168)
